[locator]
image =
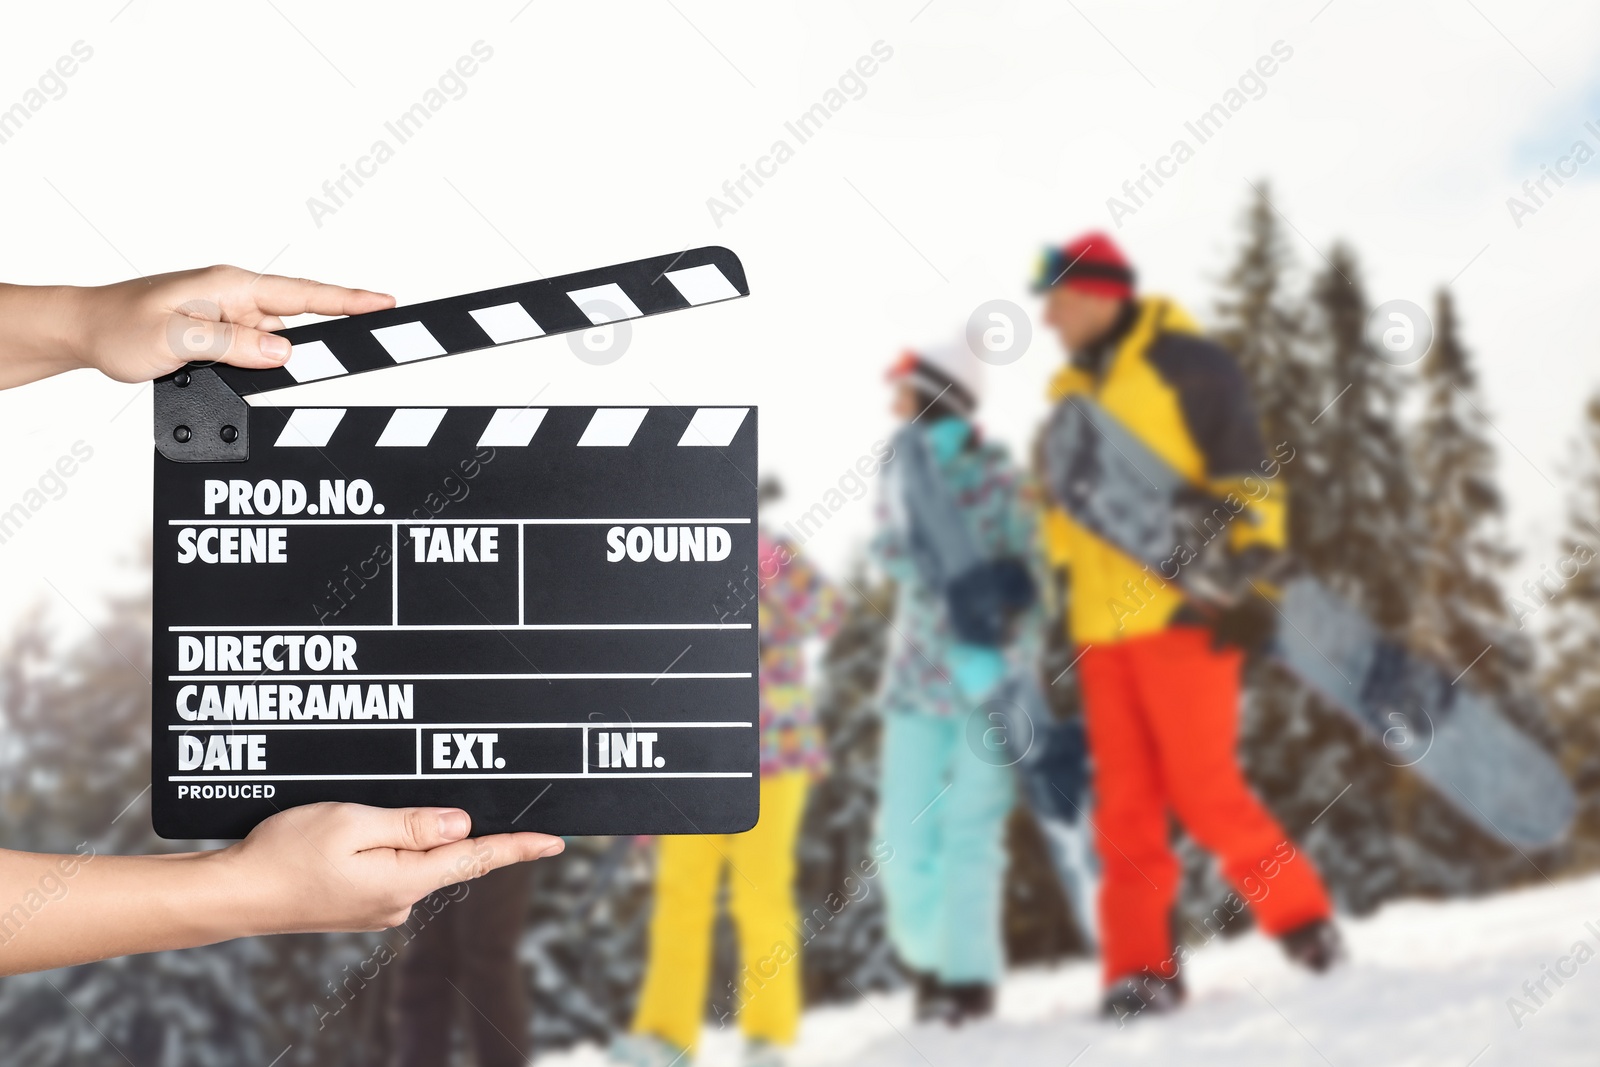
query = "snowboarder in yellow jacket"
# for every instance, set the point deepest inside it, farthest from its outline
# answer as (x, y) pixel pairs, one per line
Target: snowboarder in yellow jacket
(1159, 671)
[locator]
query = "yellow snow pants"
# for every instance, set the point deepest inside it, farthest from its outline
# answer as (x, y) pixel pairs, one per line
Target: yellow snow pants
(760, 869)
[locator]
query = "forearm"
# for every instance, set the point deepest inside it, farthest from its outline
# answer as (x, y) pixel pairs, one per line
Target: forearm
(40, 332)
(58, 911)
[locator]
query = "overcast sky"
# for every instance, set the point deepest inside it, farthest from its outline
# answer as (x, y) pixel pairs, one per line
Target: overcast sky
(197, 133)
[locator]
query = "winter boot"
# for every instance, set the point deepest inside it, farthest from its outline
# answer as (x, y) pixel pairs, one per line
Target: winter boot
(970, 1001)
(931, 1001)
(1315, 946)
(759, 1053)
(1140, 993)
(647, 1050)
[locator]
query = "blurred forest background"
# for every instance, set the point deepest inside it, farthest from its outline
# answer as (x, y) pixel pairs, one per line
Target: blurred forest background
(1395, 502)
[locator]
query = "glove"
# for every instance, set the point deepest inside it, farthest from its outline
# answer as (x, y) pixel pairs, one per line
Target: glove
(1249, 624)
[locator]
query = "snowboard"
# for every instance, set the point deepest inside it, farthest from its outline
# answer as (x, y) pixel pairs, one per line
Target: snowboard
(1051, 759)
(1421, 714)
(1055, 783)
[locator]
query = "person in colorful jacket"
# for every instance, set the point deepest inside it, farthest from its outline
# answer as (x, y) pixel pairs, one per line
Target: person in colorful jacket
(945, 794)
(1159, 672)
(795, 605)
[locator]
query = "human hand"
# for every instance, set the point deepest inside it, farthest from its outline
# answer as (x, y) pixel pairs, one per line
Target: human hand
(1249, 625)
(140, 329)
(350, 867)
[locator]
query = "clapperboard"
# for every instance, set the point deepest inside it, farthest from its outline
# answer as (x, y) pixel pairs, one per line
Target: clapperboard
(543, 615)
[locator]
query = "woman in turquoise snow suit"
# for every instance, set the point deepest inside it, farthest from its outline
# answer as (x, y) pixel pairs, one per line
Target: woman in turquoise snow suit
(946, 790)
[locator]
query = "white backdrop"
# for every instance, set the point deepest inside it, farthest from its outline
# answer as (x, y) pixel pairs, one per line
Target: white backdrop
(196, 133)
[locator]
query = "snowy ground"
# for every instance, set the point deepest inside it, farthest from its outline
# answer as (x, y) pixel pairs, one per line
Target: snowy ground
(1427, 984)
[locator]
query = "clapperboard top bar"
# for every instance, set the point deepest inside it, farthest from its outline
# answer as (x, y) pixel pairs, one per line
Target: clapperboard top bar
(200, 410)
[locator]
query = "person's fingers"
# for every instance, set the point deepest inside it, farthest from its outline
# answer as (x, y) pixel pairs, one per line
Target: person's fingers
(229, 342)
(477, 856)
(409, 829)
(268, 324)
(277, 295)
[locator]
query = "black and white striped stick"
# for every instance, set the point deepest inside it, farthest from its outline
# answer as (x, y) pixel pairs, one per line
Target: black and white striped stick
(201, 416)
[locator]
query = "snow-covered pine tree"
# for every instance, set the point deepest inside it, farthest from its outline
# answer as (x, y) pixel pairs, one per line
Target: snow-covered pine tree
(851, 950)
(1355, 531)
(584, 942)
(1420, 561)
(1461, 612)
(1563, 603)
(1261, 319)
(1360, 530)
(1461, 615)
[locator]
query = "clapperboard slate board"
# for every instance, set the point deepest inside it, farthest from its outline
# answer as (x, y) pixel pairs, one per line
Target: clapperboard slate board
(543, 615)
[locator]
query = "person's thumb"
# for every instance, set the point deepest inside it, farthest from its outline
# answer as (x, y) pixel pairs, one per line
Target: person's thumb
(226, 342)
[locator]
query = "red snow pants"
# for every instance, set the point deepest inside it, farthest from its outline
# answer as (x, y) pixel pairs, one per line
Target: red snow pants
(1163, 721)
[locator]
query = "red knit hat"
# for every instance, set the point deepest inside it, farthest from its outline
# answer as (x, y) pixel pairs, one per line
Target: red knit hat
(1091, 263)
